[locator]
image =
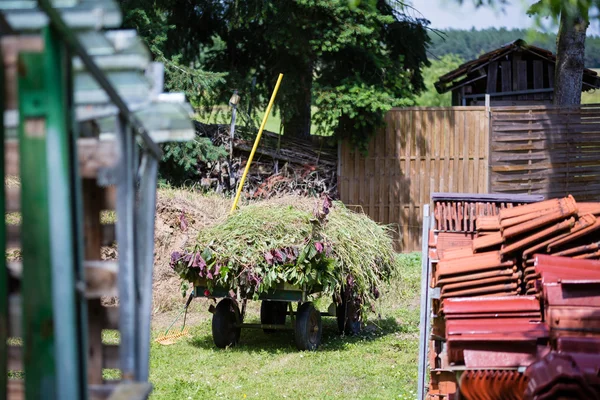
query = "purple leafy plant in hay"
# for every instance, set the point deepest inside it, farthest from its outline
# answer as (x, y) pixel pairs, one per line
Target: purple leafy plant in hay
(188, 258)
(175, 257)
(253, 280)
(183, 222)
(291, 254)
(269, 258)
(199, 261)
(279, 256)
(319, 246)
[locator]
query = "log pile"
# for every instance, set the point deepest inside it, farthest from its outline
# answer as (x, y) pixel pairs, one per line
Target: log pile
(283, 165)
(498, 260)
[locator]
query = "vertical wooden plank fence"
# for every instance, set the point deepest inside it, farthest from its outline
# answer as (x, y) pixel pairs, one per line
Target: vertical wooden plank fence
(420, 151)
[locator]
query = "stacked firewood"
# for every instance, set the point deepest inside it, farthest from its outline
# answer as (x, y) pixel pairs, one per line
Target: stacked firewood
(499, 260)
(281, 165)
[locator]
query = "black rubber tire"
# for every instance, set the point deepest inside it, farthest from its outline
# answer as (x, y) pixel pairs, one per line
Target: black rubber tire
(346, 325)
(273, 313)
(308, 327)
(224, 332)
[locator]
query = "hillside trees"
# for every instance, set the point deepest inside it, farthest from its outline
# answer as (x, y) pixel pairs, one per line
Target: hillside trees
(430, 96)
(470, 44)
(570, 42)
(352, 60)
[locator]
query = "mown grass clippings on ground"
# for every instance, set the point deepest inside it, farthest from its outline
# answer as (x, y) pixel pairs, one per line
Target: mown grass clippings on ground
(380, 363)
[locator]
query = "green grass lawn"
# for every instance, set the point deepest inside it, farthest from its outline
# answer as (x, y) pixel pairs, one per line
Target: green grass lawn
(381, 363)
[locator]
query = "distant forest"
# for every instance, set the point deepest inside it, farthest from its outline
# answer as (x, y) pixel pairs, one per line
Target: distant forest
(470, 44)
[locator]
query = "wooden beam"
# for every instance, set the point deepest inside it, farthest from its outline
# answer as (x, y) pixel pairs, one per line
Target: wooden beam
(506, 76)
(13, 240)
(93, 154)
(516, 59)
(16, 389)
(492, 81)
(511, 93)
(15, 358)
(11, 47)
(522, 79)
(110, 356)
(112, 390)
(13, 198)
(538, 77)
(100, 278)
(467, 81)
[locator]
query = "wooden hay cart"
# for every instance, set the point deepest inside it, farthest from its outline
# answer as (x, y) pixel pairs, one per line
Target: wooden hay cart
(276, 305)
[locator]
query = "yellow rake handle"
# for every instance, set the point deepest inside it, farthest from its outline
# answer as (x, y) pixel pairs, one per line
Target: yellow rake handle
(260, 131)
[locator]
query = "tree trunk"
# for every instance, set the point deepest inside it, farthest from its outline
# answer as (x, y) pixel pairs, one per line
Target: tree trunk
(570, 54)
(298, 125)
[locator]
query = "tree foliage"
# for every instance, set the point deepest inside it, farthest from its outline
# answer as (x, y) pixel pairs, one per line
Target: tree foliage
(430, 97)
(354, 60)
(179, 164)
(181, 75)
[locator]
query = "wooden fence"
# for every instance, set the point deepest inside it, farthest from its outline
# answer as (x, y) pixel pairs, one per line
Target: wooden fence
(525, 149)
(546, 150)
(421, 150)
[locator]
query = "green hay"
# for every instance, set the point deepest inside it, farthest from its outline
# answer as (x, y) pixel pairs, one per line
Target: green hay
(247, 235)
(319, 251)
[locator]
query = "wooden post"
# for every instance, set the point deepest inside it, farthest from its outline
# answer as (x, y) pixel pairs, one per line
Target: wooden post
(92, 205)
(233, 102)
(3, 270)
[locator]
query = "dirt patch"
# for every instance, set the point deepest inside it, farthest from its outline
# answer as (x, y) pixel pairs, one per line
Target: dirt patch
(180, 214)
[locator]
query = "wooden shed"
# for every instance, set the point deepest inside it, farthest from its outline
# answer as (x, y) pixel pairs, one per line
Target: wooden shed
(514, 74)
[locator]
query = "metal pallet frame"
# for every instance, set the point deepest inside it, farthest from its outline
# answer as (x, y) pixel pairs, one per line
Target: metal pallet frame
(53, 285)
(427, 292)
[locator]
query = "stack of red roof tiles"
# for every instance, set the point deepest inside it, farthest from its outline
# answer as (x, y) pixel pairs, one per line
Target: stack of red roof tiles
(498, 259)
(518, 314)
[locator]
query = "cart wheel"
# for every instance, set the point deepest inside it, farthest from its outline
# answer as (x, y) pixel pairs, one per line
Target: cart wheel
(348, 317)
(308, 327)
(224, 332)
(272, 313)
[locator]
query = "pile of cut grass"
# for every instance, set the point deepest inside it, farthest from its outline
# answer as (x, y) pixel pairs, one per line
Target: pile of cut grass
(264, 245)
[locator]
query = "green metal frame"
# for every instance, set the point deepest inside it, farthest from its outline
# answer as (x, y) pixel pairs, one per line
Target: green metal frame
(54, 306)
(51, 359)
(3, 269)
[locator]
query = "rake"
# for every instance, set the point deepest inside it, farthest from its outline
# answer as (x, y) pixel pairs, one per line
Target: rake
(172, 338)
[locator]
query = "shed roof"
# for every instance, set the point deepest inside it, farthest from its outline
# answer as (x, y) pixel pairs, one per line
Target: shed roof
(590, 78)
